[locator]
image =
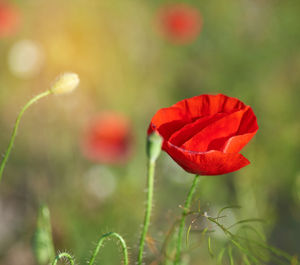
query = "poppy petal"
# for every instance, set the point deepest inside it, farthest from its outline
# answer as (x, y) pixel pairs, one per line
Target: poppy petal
(168, 120)
(207, 163)
(189, 130)
(248, 123)
(236, 143)
(205, 105)
(213, 136)
(248, 129)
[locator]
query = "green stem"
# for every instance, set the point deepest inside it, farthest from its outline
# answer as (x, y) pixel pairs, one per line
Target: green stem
(183, 217)
(63, 255)
(150, 184)
(15, 130)
(100, 243)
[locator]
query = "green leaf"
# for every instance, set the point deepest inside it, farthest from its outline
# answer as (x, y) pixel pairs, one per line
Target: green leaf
(230, 255)
(209, 247)
(245, 259)
(247, 221)
(188, 234)
(227, 207)
(220, 255)
(249, 227)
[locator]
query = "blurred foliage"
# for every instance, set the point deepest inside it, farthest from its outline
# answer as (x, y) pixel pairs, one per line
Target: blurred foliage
(246, 49)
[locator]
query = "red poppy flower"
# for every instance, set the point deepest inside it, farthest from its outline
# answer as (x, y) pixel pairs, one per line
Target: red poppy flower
(180, 23)
(205, 134)
(108, 139)
(9, 19)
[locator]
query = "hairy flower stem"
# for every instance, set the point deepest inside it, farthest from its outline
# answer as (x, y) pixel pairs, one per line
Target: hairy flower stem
(100, 243)
(185, 211)
(15, 130)
(150, 180)
(64, 255)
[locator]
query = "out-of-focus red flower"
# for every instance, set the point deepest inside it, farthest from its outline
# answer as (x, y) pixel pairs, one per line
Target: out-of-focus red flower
(179, 23)
(108, 139)
(205, 134)
(9, 19)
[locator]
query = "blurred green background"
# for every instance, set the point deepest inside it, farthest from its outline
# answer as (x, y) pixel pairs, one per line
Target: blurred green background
(246, 49)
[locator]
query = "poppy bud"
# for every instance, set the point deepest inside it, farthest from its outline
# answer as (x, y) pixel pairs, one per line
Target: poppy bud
(65, 83)
(154, 143)
(42, 241)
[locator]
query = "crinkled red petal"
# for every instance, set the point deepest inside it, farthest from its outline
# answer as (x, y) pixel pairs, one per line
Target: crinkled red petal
(207, 163)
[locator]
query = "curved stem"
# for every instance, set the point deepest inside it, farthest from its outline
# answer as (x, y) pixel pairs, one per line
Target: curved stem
(15, 130)
(63, 255)
(183, 217)
(100, 243)
(150, 184)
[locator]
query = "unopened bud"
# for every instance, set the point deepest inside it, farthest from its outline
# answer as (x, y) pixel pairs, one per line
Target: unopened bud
(65, 83)
(42, 241)
(154, 143)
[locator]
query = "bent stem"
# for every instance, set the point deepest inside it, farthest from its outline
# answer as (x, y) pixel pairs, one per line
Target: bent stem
(150, 183)
(15, 130)
(100, 243)
(63, 255)
(183, 217)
